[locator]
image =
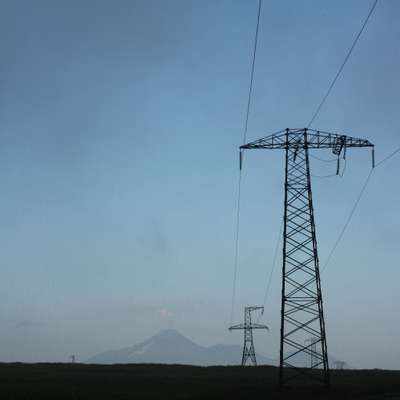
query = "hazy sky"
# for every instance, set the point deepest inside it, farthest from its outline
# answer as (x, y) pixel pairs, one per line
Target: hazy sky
(119, 127)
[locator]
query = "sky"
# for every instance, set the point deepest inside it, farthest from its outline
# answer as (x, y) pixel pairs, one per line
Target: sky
(120, 124)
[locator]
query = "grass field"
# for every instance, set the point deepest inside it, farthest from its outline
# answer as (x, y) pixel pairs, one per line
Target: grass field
(80, 381)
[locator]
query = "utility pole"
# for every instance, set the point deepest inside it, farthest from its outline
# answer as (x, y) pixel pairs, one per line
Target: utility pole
(302, 312)
(248, 326)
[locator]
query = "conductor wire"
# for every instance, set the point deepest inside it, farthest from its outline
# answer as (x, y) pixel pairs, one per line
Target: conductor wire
(236, 255)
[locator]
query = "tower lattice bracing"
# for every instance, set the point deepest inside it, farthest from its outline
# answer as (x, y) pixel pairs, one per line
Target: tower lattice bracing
(248, 345)
(302, 314)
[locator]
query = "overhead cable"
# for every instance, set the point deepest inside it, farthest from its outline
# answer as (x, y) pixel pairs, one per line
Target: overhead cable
(274, 260)
(343, 64)
(349, 218)
(236, 255)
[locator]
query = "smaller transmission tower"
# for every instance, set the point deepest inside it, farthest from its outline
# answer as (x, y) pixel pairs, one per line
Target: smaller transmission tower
(248, 326)
(340, 364)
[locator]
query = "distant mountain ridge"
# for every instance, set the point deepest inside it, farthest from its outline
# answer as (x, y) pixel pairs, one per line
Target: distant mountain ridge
(170, 347)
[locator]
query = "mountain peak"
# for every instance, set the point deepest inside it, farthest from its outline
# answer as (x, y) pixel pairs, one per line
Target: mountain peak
(169, 346)
(168, 336)
(168, 333)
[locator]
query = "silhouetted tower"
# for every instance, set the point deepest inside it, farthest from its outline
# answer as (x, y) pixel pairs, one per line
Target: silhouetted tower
(301, 305)
(72, 358)
(248, 326)
(311, 349)
(340, 364)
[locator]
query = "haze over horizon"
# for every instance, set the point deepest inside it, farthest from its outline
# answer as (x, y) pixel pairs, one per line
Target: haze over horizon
(120, 128)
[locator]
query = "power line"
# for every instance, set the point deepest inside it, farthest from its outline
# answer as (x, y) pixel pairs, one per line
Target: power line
(388, 157)
(341, 174)
(326, 176)
(252, 73)
(323, 159)
(274, 260)
(343, 64)
(349, 218)
(315, 116)
(240, 170)
(236, 246)
(323, 176)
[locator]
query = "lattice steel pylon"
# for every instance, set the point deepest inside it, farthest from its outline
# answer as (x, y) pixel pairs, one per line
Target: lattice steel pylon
(302, 313)
(248, 345)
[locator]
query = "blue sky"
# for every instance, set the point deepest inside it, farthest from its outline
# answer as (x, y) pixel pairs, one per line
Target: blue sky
(120, 124)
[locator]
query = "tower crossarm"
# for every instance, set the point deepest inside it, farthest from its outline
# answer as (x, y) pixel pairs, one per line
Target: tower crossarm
(310, 138)
(255, 308)
(251, 326)
(239, 326)
(259, 326)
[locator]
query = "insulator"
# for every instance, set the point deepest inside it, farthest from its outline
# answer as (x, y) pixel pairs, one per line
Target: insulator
(373, 157)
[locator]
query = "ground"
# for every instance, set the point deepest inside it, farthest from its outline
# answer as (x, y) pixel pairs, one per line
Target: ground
(117, 382)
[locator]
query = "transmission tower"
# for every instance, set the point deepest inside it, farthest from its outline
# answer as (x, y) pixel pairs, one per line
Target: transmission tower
(248, 326)
(339, 364)
(302, 313)
(311, 344)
